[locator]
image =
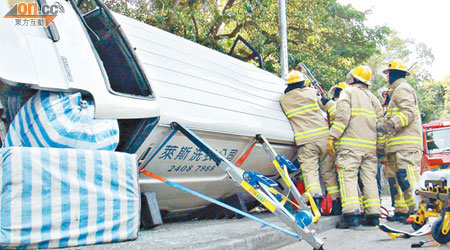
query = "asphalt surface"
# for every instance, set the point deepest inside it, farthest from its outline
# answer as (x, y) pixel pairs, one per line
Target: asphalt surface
(368, 238)
(214, 234)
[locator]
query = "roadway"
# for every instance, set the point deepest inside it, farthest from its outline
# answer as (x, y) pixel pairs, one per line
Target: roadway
(368, 238)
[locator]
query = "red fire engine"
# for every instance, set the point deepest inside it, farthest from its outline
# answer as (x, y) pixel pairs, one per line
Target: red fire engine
(436, 152)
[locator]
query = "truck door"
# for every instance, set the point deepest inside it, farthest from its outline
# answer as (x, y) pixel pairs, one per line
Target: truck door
(76, 52)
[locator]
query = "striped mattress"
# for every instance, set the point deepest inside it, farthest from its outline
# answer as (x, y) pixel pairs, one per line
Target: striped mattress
(54, 197)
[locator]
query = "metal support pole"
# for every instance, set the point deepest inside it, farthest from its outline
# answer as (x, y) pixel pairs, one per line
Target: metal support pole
(283, 38)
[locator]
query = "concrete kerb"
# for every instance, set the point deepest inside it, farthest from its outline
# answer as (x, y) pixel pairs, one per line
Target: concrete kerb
(270, 239)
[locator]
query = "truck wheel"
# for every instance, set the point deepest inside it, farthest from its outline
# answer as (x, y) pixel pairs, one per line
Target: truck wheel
(252, 204)
(436, 232)
(213, 211)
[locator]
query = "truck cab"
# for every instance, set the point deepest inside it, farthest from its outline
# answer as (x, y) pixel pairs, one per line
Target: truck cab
(436, 152)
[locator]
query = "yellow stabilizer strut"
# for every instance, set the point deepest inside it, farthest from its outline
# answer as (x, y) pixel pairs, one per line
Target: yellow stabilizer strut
(283, 172)
(284, 198)
(314, 209)
(267, 203)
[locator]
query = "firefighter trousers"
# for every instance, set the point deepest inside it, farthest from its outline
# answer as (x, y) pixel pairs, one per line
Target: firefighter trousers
(402, 170)
(312, 157)
(349, 163)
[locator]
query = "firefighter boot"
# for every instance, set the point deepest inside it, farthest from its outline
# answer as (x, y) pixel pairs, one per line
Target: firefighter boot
(371, 220)
(400, 217)
(336, 208)
(349, 220)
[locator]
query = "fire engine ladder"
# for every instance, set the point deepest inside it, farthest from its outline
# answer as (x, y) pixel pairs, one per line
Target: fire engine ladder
(282, 164)
(254, 183)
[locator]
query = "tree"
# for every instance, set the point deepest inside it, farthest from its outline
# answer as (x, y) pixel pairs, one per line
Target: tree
(436, 100)
(332, 38)
(419, 56)
(329, 37)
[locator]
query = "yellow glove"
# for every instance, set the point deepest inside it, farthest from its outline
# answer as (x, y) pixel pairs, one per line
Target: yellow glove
(330, 146)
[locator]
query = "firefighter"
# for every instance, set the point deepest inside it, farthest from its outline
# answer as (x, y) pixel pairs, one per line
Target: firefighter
(403, 128)
(329, 105)
(354, 133)
(300, 104)
(335, 91)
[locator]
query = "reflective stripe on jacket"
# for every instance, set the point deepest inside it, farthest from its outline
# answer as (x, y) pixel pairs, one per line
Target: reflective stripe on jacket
(330, 108)
(305, 116)
(404, 113)
(355, 120)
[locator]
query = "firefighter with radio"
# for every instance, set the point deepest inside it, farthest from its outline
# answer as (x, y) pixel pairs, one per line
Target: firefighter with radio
(300, 104)
(336, 90)
(329, 105)
(403, 128)
(354, 133)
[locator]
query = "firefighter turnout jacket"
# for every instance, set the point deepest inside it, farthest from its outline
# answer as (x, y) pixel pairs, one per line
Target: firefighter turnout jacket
(302, 109)
(355, 121)
(403, 112)
(354, 130)
(403, 145)
(301, 106)
(329, 107)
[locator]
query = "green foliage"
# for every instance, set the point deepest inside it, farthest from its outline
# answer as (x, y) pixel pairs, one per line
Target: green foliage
(331, 38)
(419, 56)
(435, 100)
(328, 37)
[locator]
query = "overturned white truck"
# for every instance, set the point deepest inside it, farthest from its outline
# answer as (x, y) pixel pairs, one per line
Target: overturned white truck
(147, 78)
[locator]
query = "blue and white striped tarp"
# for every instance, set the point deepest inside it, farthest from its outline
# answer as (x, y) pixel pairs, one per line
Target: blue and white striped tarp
(61, 120)
(67, 197)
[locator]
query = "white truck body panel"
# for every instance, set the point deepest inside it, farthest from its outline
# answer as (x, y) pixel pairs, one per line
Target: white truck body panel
(207, 90)
(226, 101)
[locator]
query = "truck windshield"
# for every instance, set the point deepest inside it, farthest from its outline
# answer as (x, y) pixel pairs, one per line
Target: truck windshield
(438, 141)
(125, 73)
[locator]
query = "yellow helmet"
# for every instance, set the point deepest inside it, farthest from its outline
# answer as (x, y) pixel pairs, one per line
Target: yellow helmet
(342, 85)
(307, 82)
(396, 65)
(295, 76)
(362, 73)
